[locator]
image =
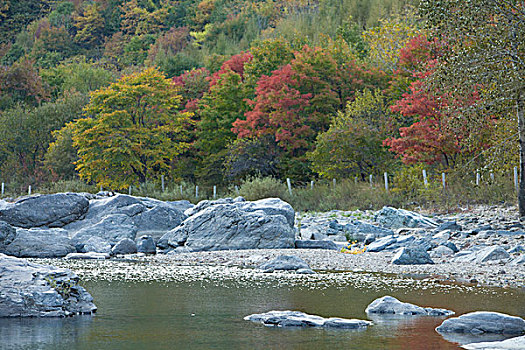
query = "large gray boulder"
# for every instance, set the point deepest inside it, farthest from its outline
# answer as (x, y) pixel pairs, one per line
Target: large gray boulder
(483, 322)
(411, 255)
(230, 227)
(484, 255)
(40, 243)
(516, 343)
(52, 210)
(381, 244)
(398, 218)
(7, 235)
(391, 305)
(286, 263)
(33, 290)
(124, 246)
(146, 245)
(158, 218)
(300, 319)
(112, 228)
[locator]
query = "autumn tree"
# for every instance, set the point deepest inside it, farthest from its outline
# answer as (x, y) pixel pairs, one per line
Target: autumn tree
(486, 39)
(131, 131)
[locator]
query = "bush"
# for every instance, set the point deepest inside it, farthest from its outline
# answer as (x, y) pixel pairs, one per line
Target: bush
(255, 188)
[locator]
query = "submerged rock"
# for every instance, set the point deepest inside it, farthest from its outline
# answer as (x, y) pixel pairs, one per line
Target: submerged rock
(516, 343)
(391, 305)
(482, 322)
(300, 319)
(33, 290)
(51, 210)
(397, 218)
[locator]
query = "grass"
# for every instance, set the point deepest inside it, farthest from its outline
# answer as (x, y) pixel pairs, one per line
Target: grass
(345, 195)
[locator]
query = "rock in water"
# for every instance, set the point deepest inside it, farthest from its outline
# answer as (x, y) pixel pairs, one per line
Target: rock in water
(40, 243)
(52, 210)
(300, 319)
(231, 227)
(33, 290)
(390, 305)
(483, 322)
(411, 255)
(398, 218)
(284, 262)
(516, 343)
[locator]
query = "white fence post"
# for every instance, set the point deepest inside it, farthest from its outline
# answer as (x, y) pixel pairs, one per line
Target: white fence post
(129, 190)
(214, 192)
(386, 181)
(181, 191)
(425, 180)
(196, 191)
(491, 176)
(443, 181)
(516, 177)
(371, 181)
(312, 184)
(334, 182)
(477, 178)
(29, 190)
(3, 188)
(289, 183)
(162, 182)
(236, 190)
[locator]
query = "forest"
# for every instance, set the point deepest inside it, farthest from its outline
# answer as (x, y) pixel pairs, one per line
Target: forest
(119, 93)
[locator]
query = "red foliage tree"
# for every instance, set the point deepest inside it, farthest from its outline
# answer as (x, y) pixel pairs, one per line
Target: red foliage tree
(192, 86)
(234, 64)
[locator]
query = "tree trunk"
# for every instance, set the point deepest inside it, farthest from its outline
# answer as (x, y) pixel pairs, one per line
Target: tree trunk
(520, 106)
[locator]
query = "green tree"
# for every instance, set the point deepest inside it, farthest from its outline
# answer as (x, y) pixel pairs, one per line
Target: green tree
(131, 131)
(487, 53)
(90, 25)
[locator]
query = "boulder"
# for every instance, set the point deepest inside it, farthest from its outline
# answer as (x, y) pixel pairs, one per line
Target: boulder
(520, 260)
(52, 210)
(7, 235)
(397, 218)
(411, 255)
(111, 228)
(449, 225)
(484, 255)
(207, 203)
(124, 246)
(313, 244)
(40, 243)
(483, 322)
(300, 319)
(516, 343)
(230, 227)
(158, 218)
(146, 245)
(390, 305)
(517, 249)
(33, 290)
(358, 230)
(380, 244)
(441, 251)
(95, 244)
(284, 262)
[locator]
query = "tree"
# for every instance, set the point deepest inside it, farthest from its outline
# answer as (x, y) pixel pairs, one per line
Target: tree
(486, 37)
(131, 131)
(90, 25)
(21, 83)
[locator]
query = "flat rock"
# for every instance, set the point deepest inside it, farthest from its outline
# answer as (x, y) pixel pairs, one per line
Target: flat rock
(411, 255)
(40, 243)
(484, 255)
(87, 256)
(314, 244)
(51, 210)
(34, 290)
(381, 244)
(397, 218)
(516, 343)
(391, 305)
(483, 322)
(284, 262)
(301, 319)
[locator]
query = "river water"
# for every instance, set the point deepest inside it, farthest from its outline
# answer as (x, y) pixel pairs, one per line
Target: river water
(203, 308)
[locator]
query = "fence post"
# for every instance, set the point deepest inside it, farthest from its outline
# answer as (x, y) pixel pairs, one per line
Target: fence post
(491, 176)
(236, 190)
(355, 179)
(386, 181)
(312, 184)
(214, 192)
(289, 183)
(29, 190)
(181, 191)
(129, 190)
(443, 180)
(162, 182)
(196, 191)
(477, 178)
(334, 182)
(371, 182)
(425, 180)
(516, 177)
(101, 189)
(3, 188)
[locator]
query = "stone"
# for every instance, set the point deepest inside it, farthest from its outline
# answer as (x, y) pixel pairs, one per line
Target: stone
(452, 246)
(111, 228)
(230, 227)
(7, 235)
(95, 244)
(146, 245)
(481, 228)
(305, 272)
(124, 246)
(40, 243)
(284, 262)
(517, 249)
(449, 225)
(87, 256)
(158, 218)
(491, 253)
(207, 203)
(520, 260)
(483, 322)
(381, 243)
(52, 210)
(313, 244)
(397, 218)
(369, 239)
(516, 343)
(358, 230)
(391, 305)
(33, 290)
(441, 251)
(411, 255)
(301, 319)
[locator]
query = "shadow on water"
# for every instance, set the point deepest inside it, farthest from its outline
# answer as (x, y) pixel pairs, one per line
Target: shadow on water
(208, 314)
